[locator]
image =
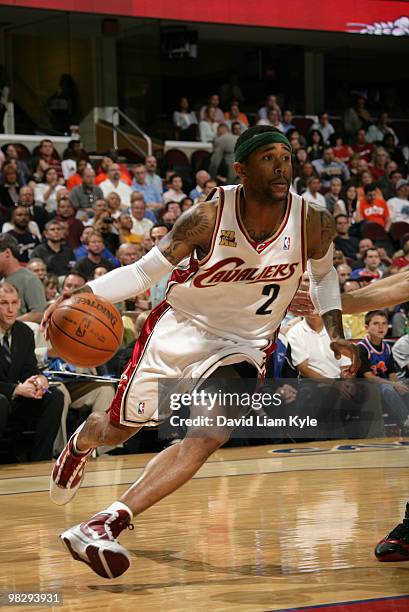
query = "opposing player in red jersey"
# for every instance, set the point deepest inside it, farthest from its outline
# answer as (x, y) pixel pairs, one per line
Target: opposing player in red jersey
(237, 261)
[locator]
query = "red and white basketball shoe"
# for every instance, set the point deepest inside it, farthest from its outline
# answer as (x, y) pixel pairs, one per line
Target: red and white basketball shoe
(94, 543)
(395, 546)
(68, 472)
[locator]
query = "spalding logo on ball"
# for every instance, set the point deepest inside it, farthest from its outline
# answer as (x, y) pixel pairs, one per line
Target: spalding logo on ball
(86, 330)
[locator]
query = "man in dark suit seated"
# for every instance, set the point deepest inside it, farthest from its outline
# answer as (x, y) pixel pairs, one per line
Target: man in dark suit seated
(26, 402)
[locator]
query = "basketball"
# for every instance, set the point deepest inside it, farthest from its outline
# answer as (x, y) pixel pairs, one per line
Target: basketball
(86, 330)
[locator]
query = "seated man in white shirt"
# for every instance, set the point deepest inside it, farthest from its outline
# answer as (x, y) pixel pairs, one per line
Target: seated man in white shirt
(312, 193)
(114, 184)
(399, 206)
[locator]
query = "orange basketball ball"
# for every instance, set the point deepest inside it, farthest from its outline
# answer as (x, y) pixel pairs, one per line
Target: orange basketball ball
(86, 330)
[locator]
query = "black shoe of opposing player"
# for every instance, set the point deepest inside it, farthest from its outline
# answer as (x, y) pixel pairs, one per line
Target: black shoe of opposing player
(395, 547)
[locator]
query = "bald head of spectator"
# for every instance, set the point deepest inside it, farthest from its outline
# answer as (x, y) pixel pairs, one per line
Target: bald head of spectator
(88, 176)
(351, 285)
(26, 196)
(343, 272)
(114, 173)
(38, 267)
(201, 177)
(129, 253)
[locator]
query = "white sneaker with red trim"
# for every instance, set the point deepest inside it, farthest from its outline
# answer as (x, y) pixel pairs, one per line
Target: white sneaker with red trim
(94, 543)
(68, 472)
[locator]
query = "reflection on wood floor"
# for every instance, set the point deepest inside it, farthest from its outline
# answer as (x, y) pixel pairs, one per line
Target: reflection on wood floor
(259, 528)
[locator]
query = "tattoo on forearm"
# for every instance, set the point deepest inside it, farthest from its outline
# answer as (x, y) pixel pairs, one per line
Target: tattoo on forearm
(333, 324)
(191, 229)
(327, 227)
(320, 231)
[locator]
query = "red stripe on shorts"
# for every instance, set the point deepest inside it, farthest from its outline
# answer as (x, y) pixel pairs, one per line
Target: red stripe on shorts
(128, 373)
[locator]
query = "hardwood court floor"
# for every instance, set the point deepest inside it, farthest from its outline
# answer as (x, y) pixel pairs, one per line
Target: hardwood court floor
(258, 529)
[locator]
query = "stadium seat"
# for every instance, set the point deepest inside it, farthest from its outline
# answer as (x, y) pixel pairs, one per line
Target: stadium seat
(176, 158)
(374, 231)
(398, 230)
(200, 160)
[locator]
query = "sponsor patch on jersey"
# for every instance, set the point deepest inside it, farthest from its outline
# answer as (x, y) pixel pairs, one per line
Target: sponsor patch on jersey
(228, 238)
(141, 408)
(286, 244)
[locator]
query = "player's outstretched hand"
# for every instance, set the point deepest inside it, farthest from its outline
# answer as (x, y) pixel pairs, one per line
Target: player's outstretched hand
(47, 313)
(348, 349)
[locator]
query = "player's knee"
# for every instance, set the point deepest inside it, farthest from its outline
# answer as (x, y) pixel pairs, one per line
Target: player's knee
(203, 447)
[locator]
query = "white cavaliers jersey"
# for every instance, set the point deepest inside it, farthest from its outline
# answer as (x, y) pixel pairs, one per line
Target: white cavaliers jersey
(241, 289)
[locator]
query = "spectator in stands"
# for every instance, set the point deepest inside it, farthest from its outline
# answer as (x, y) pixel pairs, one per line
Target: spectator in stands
(208, 125)
(86, 266)
(74, 280)
(296, 140)
(343, 272)
(223, 153)
(363, 246)
(372, 267)
(150, 195)
(100, 209)
(343, 241)
(287, 121)
(39, 168)
(114, 183)
(76, 179)
(115, 205)
(175, 193)
(51, 286)
(147, 243)
(152, 177)
(402, 262)
(46, 193)
(32, 225)
(300, 182)
(373, 209)
(128, 253)
(342, 151)
(357, 117)
(400, 354)
(378, 366)
(213, 102)
(325, 128)
(37, 267)
(38, 214)
(9, 189)
(201, 177)
(367, 179)
(29, 287)
(140, 224)
(185, 121)
(49, 155)
(349, 199)
(394, 152)
(301, 158)
(208, 187)
(186, 203)
(378, 166)
(399, 205)
(137, 196)
(102, 170)
(376, 132)
(313, 192)
(20, 220)
(354, 324)
(389, 179)
(126, 234)
(315, 146)
(82, 251)
(273, 119)
(327, 168)
(66, 213)
(332, 197)
(30, 403)
(338, 259)
(58, 257)
(234, 115)
(104, 226)
(174, 208)
(271, 104)
(362, 147)
(12, 155)
(158, 290)
(85, 194)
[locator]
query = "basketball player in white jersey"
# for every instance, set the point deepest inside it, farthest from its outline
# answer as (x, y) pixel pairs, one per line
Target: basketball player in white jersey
(237, 262)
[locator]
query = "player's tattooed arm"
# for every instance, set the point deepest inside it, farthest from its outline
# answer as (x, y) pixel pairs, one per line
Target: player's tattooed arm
(193, 229)
(320, 231)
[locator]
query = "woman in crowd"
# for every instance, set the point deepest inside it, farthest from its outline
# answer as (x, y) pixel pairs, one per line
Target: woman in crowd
(208, 127)
(185, 121)
(315, 145)
(45, 193)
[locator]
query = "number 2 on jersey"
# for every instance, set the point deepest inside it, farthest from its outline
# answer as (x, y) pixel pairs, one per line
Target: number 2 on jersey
(272, 291)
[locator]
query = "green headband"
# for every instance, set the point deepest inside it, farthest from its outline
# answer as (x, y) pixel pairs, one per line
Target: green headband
(258, 140)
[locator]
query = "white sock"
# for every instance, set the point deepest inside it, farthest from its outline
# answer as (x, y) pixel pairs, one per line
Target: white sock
(119, 506)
